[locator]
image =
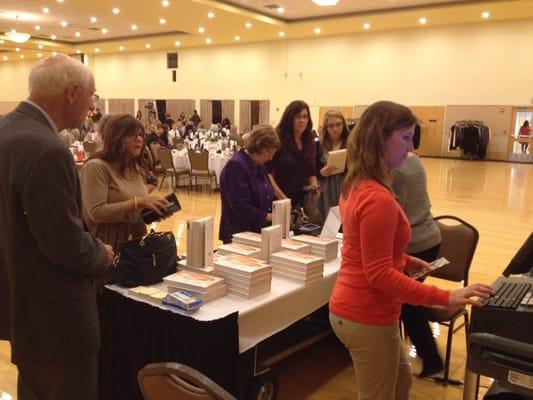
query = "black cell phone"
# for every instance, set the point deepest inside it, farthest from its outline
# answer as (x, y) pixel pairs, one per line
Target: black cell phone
(174, 206)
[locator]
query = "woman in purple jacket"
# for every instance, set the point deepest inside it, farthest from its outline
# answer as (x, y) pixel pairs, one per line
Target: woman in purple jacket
(245, 188)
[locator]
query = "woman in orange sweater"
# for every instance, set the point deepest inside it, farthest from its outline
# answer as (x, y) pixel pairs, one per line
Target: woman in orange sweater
(371, 285)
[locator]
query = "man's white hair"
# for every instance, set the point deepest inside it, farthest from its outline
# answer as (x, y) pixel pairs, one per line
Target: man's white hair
(52, 75)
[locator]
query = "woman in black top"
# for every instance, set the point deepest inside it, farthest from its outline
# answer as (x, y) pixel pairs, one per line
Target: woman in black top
(294, 165)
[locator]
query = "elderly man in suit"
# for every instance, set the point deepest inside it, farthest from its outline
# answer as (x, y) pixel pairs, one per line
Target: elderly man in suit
(48, 261)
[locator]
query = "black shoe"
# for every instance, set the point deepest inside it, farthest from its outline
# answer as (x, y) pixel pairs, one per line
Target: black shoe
(431, 369)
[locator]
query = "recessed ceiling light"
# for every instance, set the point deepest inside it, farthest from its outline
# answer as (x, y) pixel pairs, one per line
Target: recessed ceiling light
(104, 30)
(64, 24)
(281, 34)
(281, 10)
(60, 1)
(115, 10)
(325, 3)
(78, 34)
(121, 48)
(237, 38)
(21, 56)
(210, 14)
(37, 28)
(248, 25)
(134, 27)
(366, 26)
(17, 49)
(165, 3)
(46, 10)
(485, 14)
(97, 50)
(40, 46)
(201, 29)
(147, 45)
(78, 51)
(6, 58)
(422, 20)
(162, 21)
(39, 55)
(54, 53)
(208, 41)
(53, 37)
(177, 43)
(93, 19)
(317, 31)
(1, 41)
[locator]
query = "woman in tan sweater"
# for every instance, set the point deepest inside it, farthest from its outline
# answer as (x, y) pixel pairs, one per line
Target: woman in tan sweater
(113, 183)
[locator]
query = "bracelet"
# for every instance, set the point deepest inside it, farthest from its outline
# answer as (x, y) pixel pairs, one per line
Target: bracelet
(135, 203)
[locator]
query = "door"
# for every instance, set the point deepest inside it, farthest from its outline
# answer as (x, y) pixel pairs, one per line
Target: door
(520, 148)
(431, 125)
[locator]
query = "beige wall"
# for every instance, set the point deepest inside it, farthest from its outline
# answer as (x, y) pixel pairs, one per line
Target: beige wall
(481, 64)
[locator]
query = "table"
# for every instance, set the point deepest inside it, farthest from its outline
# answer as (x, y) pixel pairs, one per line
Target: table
(216, 162)
(135, 333)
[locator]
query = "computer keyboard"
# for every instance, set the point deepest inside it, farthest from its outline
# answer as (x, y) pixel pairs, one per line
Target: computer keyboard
(509, 295)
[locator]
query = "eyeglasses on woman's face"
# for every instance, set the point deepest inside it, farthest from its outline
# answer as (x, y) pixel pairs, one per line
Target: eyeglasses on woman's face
(134, 134)
(334, 125)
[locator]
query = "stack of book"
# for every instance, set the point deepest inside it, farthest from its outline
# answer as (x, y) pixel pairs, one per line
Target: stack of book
(249, 238)
(293, 245)
(270, 241)
(245, 276)
(240, 249)
(208, 287)
(148, 293)
(184, 300)
(320, 247)
(303, 268)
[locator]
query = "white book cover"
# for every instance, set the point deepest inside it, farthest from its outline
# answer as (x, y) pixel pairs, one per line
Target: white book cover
(200, 242)
(332, 224)
(248, 237)
(239, 248)
(302, 272)
(337, 159)
(296, 279)
(237, 262)
(295, 257)
(293, 245)
(230, 274)
(270, 241)
(247, 286)
(195, 280)
(315, 241)
(281, 215)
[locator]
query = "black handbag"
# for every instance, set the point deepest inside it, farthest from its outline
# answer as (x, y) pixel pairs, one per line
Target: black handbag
(145, 260)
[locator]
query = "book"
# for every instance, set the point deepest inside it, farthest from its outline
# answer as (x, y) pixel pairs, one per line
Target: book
(200, 242)
(270, 241)
(241, 265)
(184, 300)
(240, 249)
(148, 293)
(249, 238)
(281, 215)
(337, 159)
(322, 247)
(293, 245)
(193, 281)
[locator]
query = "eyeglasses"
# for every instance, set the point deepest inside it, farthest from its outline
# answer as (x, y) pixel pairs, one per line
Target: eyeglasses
(134, 134)
(336, 125)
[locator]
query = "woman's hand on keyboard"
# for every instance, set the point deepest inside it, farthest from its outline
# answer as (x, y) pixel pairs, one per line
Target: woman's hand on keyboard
(467, 295)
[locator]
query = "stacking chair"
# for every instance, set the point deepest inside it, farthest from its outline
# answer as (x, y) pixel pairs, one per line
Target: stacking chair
(153, 149)
(173, 381)
(167, 166)
(178, 143)
(459, 242)
(200, 168)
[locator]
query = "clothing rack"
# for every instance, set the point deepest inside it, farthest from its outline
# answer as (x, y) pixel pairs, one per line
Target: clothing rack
(472, 137)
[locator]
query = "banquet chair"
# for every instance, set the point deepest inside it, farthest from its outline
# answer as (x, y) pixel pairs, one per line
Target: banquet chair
(458, 245)
(178, 143)
(168, 168)
(173, 381)
(199, 162)
(153, 149)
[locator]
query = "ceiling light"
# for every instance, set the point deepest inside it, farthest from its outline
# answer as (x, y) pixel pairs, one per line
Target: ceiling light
(177, 43)
(210, 14)
(60, 1)
(281, 34)
(134, 27)
(37, 28)
(46, 10)
(64, 24)
(485, 14)
(147, 45)
(162, 21)
(165, 3)
(208, 41)
(97, 50)
(53, 37)
(281, 10)
(121, 48)
(104, 30)
(325, 3)
(21, 56)
(1, 41)
(78, 34)
(201, 29)
(237, 38)
(78, 51)
(93, 19)
(40, 46)
(17, 37)
(54, 53)
(6, 58)
(366, 26)
(317, 31)
(423, 20)
(39, 55)
(248, 25)
(116, 10)
(17, 49)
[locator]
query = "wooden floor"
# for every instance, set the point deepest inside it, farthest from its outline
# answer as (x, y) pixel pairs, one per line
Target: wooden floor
(497, 198)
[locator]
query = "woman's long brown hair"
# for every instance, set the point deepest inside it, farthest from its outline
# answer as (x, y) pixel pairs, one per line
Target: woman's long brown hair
(366, 143)
(326, 138)
(116, 130)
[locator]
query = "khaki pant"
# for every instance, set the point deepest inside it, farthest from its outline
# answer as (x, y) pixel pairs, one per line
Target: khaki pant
(381, 366)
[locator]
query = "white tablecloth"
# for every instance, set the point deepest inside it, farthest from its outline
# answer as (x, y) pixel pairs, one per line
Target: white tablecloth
(216, 162)
(266, 315)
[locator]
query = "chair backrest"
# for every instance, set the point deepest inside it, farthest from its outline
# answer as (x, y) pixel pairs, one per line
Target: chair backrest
(148, 154)
(458, 245)
(153, 150)
(199, 161)
(89, 147)
(165, 157)
(173, 381)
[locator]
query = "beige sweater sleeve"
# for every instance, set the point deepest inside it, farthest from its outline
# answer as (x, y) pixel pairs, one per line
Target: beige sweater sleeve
(95, 179)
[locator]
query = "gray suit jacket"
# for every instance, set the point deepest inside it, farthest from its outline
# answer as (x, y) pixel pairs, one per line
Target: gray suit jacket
(47, 259)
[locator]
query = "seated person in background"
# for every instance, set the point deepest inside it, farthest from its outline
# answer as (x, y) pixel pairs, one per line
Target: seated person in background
(152, 136)
(226, 123)
(173, 133)
(67, 137)
(195, 118)
(409, 186)
(168, 120)
(245, 188)
(113, 183)
(182, 118)
(162, 133)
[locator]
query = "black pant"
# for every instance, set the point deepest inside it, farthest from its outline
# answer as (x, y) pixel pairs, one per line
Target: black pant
(416, 324)
(59, 381)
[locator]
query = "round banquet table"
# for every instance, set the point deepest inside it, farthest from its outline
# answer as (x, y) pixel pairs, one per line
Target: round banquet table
(216, 161)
